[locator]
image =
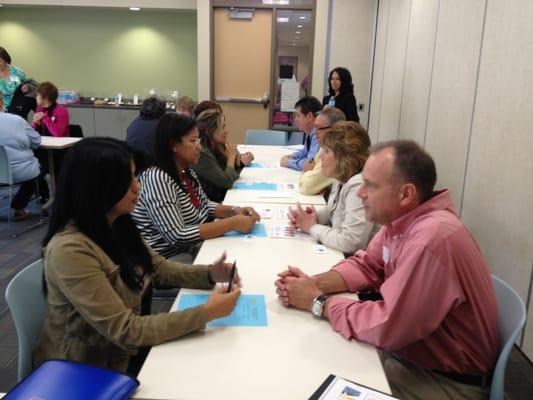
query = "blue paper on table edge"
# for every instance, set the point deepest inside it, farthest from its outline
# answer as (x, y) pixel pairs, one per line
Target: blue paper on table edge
(257, 301)
(258, 230)
(255, 186)
(256, 165)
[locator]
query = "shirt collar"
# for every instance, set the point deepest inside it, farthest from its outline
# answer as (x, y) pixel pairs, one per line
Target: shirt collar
(441, 200)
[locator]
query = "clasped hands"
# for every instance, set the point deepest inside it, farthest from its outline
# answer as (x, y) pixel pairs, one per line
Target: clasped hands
(301, 218)
(295, 288)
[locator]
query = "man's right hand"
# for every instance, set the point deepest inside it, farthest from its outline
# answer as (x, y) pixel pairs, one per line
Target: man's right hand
(220, 303)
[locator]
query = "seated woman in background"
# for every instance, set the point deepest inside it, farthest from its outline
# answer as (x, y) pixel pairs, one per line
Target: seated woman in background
(99, 273)
(340, 93)
(50, 118)
(341, 224)
(173, 212)
(185, 105)
(220, 162)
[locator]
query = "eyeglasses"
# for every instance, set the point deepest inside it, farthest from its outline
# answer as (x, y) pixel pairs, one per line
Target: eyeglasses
(196, 141)
(321, 128)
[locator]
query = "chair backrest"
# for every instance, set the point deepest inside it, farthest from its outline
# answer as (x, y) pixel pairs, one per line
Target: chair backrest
(6, 174)
(27, 303)
(266, 137)
(75, 130)
(511, 319)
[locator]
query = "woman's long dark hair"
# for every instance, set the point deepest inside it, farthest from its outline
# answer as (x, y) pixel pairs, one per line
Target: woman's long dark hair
(346, 81)
(95, 175)
(171, 129)
(209, 123)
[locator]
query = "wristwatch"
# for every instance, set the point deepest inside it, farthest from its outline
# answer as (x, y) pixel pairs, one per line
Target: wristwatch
(318, 305)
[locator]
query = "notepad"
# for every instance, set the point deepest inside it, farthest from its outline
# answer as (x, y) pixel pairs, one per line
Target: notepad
(255, 186)
(258, 230)
(249, 311)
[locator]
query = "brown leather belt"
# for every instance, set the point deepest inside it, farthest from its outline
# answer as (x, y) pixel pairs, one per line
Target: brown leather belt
(467, 379)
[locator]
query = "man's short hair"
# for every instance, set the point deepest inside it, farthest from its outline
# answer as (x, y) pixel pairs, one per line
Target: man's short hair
(308, 104)
(153, 108)
(413, 164)
(333, 115)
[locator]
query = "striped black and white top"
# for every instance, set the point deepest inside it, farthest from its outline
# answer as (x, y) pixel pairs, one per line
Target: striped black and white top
(165, 216)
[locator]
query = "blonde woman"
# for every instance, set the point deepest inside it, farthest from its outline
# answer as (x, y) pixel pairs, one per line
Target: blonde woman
(341, 224)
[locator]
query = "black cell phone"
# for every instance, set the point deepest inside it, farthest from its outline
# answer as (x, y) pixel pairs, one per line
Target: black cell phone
(232, 275)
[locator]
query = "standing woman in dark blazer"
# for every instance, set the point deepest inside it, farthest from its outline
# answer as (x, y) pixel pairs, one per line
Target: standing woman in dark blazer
(341, 93)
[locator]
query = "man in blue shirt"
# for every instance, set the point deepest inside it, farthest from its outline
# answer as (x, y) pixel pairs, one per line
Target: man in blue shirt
(19, 140)
(306, 109)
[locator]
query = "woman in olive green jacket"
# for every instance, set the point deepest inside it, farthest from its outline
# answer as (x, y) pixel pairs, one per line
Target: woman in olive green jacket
(99, 274)
(220, 162)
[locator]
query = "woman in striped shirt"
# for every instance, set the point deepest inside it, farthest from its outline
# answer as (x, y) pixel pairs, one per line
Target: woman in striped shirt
(173, 211)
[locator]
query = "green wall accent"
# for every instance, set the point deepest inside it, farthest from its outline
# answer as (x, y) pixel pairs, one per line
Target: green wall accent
(100, 52)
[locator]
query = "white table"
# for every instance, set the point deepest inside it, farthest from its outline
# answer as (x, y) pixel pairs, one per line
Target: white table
(288, 359)
(273, 173)
(52, 143)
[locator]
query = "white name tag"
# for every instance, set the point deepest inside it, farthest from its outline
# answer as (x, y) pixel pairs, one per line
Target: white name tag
(386, 255)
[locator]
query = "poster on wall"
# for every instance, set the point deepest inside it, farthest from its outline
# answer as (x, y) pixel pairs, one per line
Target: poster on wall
(290, 94)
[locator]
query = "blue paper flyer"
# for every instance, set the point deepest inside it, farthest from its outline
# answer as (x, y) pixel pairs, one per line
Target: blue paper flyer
(258, 230)
(249, 311)
(255, 186)
(256, 165)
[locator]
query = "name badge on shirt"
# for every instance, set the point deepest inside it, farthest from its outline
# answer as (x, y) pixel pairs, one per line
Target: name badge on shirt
(386, 255)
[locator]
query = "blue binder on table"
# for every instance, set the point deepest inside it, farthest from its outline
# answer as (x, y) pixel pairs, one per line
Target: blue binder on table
(62, 380)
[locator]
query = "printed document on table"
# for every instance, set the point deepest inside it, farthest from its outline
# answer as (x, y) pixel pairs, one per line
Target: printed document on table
(249, 311)
(337, 388)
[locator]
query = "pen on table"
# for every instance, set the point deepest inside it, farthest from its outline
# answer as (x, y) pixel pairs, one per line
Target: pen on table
(232, 275)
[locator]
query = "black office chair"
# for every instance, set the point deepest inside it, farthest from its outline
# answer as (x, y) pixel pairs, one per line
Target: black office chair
(75, 131)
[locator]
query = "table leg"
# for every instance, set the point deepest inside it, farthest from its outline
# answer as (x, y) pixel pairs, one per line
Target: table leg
(51, 171)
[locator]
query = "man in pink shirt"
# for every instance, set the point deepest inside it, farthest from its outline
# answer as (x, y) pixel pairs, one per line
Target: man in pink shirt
(437, 323)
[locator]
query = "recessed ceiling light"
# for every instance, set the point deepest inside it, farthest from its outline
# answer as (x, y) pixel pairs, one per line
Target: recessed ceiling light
(135, 9)
(280, 2)
(298, 32)
(299, 26)
(302, 17)
(282, 19)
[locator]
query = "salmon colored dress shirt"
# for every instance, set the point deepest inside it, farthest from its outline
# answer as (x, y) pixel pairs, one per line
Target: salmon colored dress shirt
(439, 307)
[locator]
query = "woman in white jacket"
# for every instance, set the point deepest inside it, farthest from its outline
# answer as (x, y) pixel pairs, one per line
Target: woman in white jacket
(341, 224)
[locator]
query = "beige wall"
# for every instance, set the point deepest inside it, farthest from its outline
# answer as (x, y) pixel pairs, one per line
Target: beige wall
(456, 77)
(351, 44)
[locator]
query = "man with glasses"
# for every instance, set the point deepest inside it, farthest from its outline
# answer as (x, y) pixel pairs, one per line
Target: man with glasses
(304, 115)
(312, 181)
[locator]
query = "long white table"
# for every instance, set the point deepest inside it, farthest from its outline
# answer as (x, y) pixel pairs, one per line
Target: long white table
(287, 359)
(269, 156)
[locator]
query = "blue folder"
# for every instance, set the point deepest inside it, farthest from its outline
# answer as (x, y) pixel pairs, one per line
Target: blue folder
(67, 380)
(255, 186)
